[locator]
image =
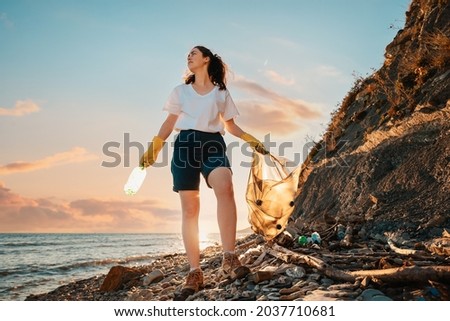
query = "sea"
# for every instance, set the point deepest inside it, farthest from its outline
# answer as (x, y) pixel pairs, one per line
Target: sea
(39, 263)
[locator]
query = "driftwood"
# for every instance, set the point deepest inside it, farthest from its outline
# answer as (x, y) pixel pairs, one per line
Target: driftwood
(300, 293)
(260, 259)
(290, 256)
(439, 246)
(399, 250)
(420, 274)
(250, 243)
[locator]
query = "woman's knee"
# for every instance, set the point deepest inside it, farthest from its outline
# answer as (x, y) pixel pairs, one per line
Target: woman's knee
(221, 182)
(190, 212)
(190, 204)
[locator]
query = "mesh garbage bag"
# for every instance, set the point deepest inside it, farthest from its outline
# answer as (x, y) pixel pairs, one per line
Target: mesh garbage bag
(271, 191)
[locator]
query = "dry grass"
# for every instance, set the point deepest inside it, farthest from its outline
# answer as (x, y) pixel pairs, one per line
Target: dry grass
(390, 89)
(437, 45)
(336, 126)
(414, 69)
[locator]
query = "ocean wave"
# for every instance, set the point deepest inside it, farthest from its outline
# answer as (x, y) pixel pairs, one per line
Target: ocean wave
(30, 244)
(37, 262)
(6, 273)
(104, 262)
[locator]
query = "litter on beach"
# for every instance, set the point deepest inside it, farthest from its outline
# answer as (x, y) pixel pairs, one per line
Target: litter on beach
(271, 191)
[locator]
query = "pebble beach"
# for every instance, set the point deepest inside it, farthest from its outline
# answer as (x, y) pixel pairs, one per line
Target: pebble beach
(271, 279)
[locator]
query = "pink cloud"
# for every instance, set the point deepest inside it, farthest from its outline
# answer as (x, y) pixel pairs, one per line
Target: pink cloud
(22, 107)
(266, 119)
(269, 111)
(75, 155)
(279, 79)
(22, 214)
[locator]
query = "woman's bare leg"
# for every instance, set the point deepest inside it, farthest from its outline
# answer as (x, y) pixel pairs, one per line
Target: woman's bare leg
(220, 179)
(190, 206)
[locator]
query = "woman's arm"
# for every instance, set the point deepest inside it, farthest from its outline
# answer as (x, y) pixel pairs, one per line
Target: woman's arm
(167, 126)
(158, 141)
(233, 128)
(237, 131)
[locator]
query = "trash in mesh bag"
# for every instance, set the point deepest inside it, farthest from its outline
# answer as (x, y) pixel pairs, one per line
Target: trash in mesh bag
(271, 191)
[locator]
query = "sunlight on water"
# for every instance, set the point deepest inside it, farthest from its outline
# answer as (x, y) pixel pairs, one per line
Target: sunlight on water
(37, 263)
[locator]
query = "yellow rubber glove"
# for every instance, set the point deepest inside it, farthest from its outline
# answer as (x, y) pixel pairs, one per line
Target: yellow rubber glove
(149, 157)
(254, 143)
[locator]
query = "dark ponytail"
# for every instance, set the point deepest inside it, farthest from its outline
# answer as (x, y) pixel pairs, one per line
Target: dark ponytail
(217, 69)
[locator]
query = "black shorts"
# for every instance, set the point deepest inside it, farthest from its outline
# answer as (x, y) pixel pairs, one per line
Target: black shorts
(196, 152)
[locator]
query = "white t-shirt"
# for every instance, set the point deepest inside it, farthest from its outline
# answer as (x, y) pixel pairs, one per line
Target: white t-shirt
(201, 112)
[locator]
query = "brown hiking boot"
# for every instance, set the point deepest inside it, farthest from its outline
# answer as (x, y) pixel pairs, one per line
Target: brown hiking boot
(194, 281)
(232, 267)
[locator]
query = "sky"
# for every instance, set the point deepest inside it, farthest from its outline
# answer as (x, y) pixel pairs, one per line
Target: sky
(83, 83)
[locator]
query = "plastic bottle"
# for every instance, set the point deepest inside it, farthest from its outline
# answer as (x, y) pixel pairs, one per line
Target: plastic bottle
(315, 237)
(340, 231)
(135, 180)
(302, 240)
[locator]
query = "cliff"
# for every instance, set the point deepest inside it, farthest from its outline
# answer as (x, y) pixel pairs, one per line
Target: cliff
(382, 167)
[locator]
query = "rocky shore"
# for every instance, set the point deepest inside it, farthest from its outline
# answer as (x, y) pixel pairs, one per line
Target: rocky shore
(331, 270)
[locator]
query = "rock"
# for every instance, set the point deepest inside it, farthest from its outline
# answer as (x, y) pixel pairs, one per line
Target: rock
(326, 282)
(240, 272)
(260, 276)
(283, 267)
(251, 295)
(296, 272)
(273, 297)
(314, 277)
(167, 291)
(344, 286)
(380, 298)
(373, 295)
(318, 295)
(154, 277)
(118, 276)
(283, 282)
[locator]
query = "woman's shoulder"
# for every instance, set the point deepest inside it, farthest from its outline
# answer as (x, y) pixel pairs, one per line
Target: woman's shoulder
(223, 92)
(181, 87)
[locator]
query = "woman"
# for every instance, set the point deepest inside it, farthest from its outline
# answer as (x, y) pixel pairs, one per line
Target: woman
(200, 109)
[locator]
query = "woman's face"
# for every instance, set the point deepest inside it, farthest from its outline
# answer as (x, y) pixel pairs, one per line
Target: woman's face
(196, 60)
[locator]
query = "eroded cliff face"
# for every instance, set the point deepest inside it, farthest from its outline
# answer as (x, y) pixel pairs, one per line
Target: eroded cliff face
(384, 163)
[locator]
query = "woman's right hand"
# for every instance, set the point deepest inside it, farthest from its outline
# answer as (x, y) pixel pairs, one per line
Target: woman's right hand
(254, 143)
(150, 156)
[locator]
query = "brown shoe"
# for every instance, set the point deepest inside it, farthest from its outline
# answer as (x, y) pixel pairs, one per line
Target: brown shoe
(194, 281)
(232, 267)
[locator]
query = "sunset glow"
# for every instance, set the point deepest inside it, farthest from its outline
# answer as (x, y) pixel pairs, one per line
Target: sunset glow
(77, 76)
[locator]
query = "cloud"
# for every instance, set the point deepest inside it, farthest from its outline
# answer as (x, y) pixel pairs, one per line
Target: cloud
(272, 112)
(5, 20)
(75, 155)
(328, 71)
(266, 119)
(22, 214)
(298, 107)
(279, 79)
(22, 107)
